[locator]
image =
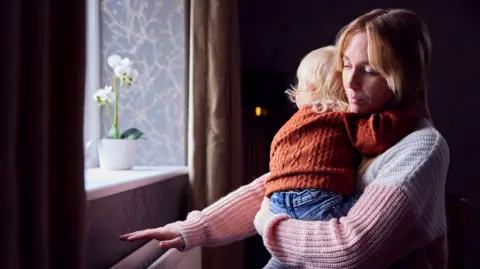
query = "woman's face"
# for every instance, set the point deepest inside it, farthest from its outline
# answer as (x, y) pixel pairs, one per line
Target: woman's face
(367, 91)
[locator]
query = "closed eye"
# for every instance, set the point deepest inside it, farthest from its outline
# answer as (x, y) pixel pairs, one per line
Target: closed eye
(371, 73)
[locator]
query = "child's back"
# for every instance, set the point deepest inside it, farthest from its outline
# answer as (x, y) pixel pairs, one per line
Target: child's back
(313, 151)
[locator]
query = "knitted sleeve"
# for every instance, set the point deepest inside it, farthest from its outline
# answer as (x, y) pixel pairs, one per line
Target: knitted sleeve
(372, 135)
(227, 220)
(388, 221)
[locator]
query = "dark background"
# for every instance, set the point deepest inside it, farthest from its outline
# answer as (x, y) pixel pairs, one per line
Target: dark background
(275, 35)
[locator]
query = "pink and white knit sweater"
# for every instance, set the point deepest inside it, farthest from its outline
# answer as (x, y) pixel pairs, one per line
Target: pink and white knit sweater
(399, 217)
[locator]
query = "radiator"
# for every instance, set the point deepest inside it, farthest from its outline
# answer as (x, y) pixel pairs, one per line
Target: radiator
(150, 256)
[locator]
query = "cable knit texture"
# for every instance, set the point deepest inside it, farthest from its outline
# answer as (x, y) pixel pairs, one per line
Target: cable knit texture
(398, 221)
(323, 150)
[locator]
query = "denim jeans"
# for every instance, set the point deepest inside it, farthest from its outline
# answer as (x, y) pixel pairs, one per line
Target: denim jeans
(309, 204)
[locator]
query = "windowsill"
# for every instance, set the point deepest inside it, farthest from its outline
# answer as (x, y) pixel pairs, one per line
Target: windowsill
(100, 183)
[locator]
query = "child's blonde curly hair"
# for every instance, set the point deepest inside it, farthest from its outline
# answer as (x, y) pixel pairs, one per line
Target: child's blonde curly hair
(318, 82)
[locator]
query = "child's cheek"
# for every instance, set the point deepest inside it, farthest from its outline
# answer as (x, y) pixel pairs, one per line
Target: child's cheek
(303, 99)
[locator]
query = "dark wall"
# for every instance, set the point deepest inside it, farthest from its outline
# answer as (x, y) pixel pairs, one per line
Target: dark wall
(275, 35)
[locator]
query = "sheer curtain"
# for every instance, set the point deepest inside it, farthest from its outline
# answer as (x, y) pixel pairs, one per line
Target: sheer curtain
(215, 142)
(42, 196)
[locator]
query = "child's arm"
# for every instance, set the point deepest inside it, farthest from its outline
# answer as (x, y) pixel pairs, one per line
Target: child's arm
(374, 134)
(227, 220)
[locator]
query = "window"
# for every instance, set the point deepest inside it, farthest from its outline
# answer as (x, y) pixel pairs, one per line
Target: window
(152, 34)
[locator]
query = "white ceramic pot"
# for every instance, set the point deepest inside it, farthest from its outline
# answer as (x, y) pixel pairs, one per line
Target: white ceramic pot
(116, 154)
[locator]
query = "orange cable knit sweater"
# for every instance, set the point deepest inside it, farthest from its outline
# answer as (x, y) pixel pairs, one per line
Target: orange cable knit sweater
(323, 150)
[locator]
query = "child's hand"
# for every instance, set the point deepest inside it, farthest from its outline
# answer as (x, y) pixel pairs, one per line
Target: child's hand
(263, 216)
(265, 204)
(169, 237)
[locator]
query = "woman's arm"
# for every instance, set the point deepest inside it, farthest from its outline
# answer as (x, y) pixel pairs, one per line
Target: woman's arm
(401, 210)
(227, 220)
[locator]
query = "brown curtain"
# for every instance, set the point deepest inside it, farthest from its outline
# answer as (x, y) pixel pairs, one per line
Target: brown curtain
(215, 120)
(42, 197)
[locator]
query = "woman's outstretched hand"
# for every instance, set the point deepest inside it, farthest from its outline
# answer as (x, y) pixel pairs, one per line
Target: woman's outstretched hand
(169, 237)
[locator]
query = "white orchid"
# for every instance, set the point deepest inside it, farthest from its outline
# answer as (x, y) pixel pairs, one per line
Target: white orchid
(123, 69)
(124, 72)
(105, 95)
(114, 60)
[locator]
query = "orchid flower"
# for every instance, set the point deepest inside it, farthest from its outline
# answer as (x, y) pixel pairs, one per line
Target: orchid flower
(104, 95)
(123, 69)
(124, 72)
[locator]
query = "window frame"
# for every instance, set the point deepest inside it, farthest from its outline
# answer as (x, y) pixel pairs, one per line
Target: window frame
(92, 114)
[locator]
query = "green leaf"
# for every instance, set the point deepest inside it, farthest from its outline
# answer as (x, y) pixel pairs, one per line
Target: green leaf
(113, 133)
(132, 133)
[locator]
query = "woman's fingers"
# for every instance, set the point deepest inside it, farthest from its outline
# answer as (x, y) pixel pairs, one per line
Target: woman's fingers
(177, 243)
(148, 233)
(160, 234)
(168, 237)
(126, 236)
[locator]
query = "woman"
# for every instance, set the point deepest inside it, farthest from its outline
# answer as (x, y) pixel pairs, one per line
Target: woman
(382, 57)
(399, 219)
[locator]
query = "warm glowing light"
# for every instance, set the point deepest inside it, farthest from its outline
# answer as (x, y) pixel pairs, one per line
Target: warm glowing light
(258, 111)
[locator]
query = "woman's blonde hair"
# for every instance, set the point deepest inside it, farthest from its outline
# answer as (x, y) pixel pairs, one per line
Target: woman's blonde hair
(399, 48)
(311, 77)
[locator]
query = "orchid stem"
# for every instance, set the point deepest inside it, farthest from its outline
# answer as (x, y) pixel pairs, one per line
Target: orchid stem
(115, 103)
(109, 111)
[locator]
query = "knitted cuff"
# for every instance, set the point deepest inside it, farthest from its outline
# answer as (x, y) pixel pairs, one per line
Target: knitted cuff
(192, 230)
